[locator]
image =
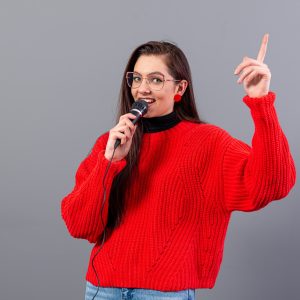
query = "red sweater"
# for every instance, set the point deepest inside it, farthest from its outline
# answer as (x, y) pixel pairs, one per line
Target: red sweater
(188, 181)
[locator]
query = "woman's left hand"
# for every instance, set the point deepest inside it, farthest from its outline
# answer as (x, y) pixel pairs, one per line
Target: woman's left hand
(254, 74)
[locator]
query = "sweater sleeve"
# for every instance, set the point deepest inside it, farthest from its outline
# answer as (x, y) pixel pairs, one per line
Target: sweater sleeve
(254, 176)
(81, 208)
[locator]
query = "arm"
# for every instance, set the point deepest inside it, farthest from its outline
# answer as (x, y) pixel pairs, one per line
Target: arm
(255, 176)
(81, 208)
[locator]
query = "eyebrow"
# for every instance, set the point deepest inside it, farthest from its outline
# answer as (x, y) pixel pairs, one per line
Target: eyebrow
(152, 73)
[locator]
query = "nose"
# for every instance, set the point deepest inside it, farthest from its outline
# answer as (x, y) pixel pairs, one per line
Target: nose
(144, 87)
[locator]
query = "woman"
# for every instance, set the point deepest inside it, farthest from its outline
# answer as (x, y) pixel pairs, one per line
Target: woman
(173, 182)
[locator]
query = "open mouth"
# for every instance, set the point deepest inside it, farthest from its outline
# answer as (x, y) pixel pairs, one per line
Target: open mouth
(148, 100)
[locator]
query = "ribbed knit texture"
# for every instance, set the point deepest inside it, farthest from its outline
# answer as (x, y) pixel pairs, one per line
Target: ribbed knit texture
(188, 181)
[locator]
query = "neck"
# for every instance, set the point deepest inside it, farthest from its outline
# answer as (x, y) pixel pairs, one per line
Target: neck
(161, 123)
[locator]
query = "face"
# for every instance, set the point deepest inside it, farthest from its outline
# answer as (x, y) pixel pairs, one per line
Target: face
(159, 102)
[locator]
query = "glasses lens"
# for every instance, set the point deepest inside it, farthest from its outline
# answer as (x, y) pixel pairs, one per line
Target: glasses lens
(129, 78)
(134, 79)
(155, 81)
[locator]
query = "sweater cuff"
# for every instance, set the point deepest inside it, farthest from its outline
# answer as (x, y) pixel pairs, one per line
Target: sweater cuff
(116, 166)
(257, 103)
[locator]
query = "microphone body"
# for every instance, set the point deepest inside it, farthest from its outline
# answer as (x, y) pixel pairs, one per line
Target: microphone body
(139, 108)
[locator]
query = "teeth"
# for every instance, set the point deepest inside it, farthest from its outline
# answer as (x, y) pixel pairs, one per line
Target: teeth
(149, 100)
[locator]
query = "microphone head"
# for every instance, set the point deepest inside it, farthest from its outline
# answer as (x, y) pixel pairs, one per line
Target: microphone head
(140, 105)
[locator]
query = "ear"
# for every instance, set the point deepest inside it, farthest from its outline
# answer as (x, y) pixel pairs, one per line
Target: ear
(181, 87)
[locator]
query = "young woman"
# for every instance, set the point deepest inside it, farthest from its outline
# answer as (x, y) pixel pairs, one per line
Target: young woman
(173, 182)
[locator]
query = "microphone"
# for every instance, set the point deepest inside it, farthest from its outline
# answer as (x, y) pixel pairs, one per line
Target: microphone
(139, 108)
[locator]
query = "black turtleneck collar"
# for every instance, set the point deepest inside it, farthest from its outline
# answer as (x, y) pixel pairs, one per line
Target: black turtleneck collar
(161, 123)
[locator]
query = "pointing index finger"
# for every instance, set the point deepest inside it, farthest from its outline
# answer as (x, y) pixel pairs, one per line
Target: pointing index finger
(263, 48)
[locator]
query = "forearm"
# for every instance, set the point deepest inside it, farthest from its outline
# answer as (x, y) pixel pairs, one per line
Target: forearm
(256, 175)
(81, 208)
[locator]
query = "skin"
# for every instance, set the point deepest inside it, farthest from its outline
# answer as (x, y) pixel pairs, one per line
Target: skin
(253, 73)
(164, 98)
(163, 105)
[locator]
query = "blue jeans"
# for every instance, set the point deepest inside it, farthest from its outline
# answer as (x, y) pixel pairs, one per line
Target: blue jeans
(111, 293)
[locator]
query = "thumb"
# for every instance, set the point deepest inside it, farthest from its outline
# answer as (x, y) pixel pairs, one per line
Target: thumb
(133, 131)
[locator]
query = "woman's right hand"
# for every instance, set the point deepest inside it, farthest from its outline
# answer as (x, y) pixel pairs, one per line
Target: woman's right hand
(124, 131)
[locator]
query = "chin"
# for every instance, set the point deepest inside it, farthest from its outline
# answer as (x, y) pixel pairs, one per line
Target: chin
(151, 114)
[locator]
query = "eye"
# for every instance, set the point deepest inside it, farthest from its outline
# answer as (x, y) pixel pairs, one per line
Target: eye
(156, 80)
(136, 78)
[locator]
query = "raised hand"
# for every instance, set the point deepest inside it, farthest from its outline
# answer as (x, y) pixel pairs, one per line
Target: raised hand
(254, 74)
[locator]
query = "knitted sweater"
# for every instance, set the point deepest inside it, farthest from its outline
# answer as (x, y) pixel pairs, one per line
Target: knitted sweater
(188, 181)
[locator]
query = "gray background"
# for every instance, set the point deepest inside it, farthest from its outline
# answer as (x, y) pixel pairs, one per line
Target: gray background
(60, 70)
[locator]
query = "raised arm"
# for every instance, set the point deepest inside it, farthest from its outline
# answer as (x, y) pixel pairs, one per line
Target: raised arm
(254, 176)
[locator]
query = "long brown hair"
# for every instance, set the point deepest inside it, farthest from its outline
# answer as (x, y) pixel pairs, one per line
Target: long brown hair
(178, 67)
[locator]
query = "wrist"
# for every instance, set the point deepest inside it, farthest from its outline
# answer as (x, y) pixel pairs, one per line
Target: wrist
(257, 95)
(108, 157)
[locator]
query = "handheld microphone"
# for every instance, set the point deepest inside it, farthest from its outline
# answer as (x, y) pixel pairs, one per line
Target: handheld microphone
(139, 108)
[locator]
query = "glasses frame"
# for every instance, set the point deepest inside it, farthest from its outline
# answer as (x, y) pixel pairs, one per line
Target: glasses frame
(147, 80)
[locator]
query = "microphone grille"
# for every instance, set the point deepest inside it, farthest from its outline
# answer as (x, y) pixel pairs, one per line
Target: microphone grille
(140, 105)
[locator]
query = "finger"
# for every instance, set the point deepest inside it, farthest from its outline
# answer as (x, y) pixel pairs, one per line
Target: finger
(132, 133)
(125, 121)
(123, 129)
(251, 76)
(247, 62)
(118, 135)
(263, 48)
(128, 126)
(256, 72)
(127, 116)
(247, 71)
(129, 123)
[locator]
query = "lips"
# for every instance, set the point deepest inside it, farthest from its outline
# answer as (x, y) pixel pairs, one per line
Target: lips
(148, 100)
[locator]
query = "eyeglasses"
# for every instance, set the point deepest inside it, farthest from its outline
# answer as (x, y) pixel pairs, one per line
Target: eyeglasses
(155, 81)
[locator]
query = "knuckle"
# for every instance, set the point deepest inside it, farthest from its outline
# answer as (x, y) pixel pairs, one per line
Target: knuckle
(130, 127)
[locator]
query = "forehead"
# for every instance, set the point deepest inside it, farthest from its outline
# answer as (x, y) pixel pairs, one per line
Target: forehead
(150, 63)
